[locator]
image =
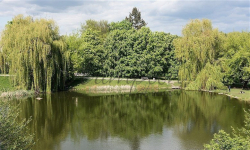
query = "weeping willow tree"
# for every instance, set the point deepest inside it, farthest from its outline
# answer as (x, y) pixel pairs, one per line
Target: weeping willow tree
(34, 54)
(198, 46)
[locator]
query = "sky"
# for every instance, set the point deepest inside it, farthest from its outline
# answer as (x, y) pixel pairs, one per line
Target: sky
(160, 15)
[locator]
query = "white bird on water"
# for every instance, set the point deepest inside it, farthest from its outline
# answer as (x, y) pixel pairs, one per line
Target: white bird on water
(38, 98)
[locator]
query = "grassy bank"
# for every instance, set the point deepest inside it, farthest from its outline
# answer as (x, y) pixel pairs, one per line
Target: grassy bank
(236, 93)
(106, 85)
(7, 90)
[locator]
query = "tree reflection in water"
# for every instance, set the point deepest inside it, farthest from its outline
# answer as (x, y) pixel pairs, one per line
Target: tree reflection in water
(70, 117)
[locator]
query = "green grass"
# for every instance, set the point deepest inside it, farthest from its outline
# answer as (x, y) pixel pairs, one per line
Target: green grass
(85, 84)
(7, 90)
(5, 84)
(177, 84)
(234, 92)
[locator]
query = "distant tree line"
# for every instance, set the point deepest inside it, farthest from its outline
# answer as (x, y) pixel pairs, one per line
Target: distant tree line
(202, 58)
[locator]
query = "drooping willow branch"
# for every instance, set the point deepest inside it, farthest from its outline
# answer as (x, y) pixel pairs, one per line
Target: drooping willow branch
(33, 51)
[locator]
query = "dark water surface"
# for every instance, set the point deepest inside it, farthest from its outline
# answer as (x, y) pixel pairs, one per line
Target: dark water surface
(164, 120)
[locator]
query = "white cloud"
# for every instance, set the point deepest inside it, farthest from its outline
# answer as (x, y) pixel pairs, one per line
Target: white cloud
(168, 16)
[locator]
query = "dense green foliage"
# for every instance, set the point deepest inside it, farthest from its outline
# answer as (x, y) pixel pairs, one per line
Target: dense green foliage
(236, 57)
(210, 58)
(86, 52)
(131, 53)
(123, 25)
(102, 27)
(197, 50)
(34, 53)
(125, 52)
(239, 141)
(13, 134)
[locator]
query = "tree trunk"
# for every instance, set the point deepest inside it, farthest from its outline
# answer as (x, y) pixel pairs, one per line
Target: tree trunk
(245, 84)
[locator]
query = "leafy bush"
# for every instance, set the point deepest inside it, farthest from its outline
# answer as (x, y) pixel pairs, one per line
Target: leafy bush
(239, 141)
(13, 134)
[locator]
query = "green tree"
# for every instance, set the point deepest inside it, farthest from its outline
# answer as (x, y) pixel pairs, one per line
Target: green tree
(137, 53)
(74, 41)
(123, 25)
(160, 55)
(102, 27)
(198, 46)
(35, 54)
(118, 53)
(236, 57)
(140, 61)
(91, 47)
(86, 52)
(135, 19)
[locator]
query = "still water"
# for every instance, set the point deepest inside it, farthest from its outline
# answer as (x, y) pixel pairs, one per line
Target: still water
(161, 121)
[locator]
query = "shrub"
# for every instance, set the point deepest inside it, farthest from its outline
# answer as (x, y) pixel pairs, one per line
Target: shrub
(13, 134)
(239, 141)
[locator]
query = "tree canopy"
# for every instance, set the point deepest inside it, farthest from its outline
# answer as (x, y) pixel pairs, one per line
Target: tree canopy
(123, 25)
(125, 52)
(236, 57)
(86, 52)
(101, 27)
(137, 53)
(35, 53)
(198, 49)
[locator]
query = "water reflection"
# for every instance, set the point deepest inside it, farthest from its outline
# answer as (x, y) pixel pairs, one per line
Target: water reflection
(70, 120)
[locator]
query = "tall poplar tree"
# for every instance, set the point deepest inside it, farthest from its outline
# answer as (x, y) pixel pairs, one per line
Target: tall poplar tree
(34, 53)
(135, 19)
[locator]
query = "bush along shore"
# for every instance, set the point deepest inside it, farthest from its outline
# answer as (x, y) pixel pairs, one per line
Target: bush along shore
(13, 134)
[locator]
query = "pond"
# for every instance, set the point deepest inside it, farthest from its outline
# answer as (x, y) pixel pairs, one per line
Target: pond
(163, 120)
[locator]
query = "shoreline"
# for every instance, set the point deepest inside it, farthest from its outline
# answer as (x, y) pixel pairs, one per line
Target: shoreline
(119, 90)
(104, 85)
(16, 94)
(234, 93)
(120, 85)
